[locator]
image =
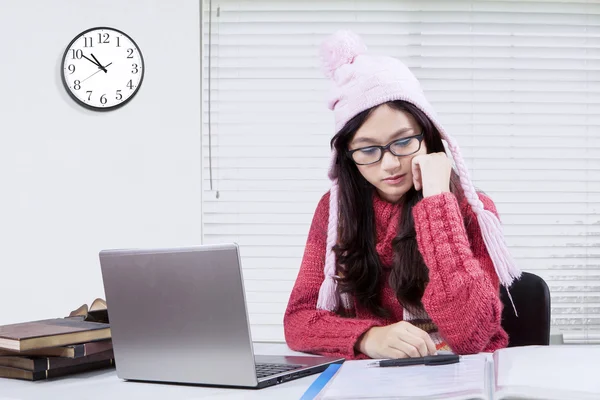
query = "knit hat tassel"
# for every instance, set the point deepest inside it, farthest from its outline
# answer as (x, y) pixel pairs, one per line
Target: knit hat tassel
(328, 295)
(504, 264)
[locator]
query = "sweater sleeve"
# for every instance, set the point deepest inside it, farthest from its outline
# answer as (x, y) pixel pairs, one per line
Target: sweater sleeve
(317, 331)
(462, 296)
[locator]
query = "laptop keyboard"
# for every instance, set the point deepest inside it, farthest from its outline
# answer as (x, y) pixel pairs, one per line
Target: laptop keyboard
(263, 370)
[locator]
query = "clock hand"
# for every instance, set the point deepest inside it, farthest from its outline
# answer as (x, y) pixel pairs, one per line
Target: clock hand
(95, 73)
(100, 65)
(92, 61)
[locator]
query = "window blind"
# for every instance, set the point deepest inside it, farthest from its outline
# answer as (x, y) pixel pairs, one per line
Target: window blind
(517, 83)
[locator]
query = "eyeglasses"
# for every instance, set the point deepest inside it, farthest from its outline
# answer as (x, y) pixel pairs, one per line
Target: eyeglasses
(401, 147)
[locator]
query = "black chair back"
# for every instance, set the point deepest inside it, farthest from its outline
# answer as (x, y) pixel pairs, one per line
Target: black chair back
(532, 300)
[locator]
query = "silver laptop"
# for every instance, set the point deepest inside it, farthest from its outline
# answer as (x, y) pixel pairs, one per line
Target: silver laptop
(179, 315)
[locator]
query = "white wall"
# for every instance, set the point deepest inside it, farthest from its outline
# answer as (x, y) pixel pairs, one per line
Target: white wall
(76, 181)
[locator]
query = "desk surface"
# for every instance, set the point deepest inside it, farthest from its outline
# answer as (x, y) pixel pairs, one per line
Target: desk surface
(104, 384)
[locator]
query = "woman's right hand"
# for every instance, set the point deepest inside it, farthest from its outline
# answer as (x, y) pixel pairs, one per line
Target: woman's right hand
(399, 340)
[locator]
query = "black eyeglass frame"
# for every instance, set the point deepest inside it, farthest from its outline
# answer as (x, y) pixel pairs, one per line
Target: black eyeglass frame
(387, 147)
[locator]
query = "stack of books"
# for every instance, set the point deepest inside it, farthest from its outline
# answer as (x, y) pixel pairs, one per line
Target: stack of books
(57, 347)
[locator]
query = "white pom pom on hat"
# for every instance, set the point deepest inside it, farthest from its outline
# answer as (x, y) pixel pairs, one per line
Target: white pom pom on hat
(340, 49)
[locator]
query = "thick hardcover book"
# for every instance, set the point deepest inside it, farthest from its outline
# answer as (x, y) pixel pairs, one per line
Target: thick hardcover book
(51, 333)
(37, 364)
(71, 351)
(16, 373)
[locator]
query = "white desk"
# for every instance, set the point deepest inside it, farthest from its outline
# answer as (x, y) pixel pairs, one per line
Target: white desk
(104, 384)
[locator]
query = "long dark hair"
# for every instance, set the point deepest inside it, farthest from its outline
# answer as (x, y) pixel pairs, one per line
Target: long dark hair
(357, 258)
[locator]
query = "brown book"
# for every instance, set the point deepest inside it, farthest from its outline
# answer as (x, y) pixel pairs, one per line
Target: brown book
(37, 364)
(71, 351)
(51, 333)
(16, 373)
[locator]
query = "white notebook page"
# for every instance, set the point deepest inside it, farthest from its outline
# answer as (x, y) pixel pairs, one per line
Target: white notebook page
(555, 369)
(355, 380)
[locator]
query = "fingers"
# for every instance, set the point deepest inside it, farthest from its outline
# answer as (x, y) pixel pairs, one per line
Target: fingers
(418, 343)
(431, 173)
(405, 347)
(416, 173)
(431, 349)
(395, 352)
(430, 345)
(399, 340)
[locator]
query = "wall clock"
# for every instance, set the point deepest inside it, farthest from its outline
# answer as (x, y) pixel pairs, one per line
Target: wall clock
(102, 69)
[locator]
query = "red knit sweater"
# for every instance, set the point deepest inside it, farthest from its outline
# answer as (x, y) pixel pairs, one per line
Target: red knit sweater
(461, 297)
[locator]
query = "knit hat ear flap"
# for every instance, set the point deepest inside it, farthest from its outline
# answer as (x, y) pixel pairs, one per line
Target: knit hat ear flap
(329, 297)
(328, 294)
(338, 50)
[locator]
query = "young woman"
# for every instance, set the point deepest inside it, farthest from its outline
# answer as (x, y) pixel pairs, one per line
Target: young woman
(404, 257)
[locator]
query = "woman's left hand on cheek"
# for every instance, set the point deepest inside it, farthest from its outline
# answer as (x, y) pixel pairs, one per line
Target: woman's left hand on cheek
(431, 173)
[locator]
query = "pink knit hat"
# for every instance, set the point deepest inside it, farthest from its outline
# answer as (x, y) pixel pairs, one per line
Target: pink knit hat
(362, 81)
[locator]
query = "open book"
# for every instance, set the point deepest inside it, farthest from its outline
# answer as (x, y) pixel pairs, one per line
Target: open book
(536, 372)
(96, 312)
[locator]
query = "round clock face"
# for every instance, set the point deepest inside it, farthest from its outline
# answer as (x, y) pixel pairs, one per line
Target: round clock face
(102, 68)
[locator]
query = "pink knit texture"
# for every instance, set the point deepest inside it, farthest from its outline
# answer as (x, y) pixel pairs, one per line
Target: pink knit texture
(328, 296)
(362, 81)
(343, 49)
(461, 298)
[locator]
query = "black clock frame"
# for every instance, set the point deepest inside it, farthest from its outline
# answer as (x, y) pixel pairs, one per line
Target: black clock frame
(66, 85)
